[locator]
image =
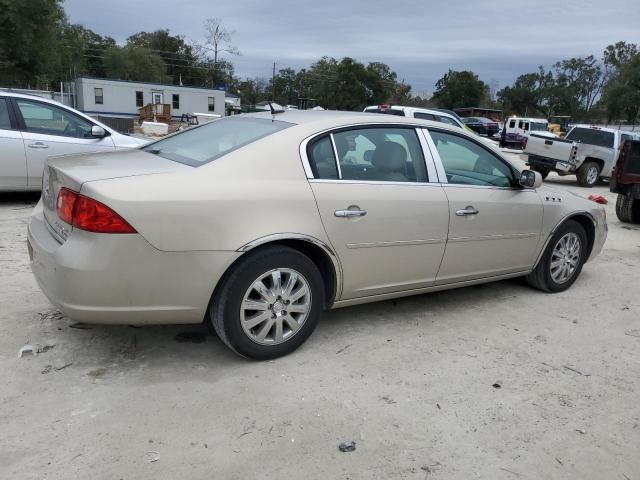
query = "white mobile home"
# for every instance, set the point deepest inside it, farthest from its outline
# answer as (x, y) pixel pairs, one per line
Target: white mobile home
(121, 98)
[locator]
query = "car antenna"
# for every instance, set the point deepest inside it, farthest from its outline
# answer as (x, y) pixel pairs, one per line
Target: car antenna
(273, 110)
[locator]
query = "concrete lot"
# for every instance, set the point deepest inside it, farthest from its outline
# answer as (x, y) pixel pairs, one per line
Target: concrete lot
(411, 381)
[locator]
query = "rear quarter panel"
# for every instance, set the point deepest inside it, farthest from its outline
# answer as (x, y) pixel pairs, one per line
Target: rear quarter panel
(256, 191)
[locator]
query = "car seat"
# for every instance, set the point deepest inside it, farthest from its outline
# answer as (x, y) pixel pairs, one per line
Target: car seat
(390, 160)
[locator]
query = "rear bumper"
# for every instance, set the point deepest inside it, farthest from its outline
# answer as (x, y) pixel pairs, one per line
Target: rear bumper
(122, 279)
(550, 164)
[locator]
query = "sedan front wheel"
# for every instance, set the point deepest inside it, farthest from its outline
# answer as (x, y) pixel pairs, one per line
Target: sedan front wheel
(562, 260)
(269, 304)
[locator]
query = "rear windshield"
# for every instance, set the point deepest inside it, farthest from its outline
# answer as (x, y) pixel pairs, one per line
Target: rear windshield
(591, 136)
(388, 111)
(199, 145)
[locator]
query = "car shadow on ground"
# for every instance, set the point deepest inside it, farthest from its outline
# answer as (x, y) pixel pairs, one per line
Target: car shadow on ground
(98, 350)
(19, 198)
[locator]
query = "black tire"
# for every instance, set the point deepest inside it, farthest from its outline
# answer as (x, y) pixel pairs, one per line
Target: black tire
(225, 309)
(585, 174)
(542, 171)
(541, 277)
(628, 209)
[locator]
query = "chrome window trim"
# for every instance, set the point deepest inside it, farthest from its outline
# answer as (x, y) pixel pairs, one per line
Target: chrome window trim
(415, 126)
(488, 187)
(335, 155)
(371, 182)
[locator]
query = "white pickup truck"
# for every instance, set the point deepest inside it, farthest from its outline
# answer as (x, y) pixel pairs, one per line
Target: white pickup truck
(588, 152)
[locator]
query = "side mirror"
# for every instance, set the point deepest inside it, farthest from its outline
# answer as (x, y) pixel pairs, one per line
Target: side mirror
(530, 179)
(98, 132)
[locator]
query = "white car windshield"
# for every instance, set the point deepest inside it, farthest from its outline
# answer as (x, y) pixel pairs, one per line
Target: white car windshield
(205, 143)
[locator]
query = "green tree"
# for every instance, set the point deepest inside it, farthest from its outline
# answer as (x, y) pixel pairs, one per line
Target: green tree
(622, 96)
(383, 84)
(285, 87)
(178, 56)
(29, 37)
(577, 84)
(134, 63)
(459, 89)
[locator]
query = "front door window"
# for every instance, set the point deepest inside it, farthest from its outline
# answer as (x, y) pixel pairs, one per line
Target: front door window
(51, 120)
(467, 163)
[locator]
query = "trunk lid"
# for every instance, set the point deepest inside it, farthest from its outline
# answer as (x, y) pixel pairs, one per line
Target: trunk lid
(72, 171)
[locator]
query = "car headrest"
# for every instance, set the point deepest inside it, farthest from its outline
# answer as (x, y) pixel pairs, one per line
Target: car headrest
(390, 157)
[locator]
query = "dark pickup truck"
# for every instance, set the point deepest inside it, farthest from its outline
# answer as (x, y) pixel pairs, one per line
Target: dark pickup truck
(625, 181)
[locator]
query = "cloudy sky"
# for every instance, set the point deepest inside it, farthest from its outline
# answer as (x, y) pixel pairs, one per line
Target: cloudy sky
(419, 39)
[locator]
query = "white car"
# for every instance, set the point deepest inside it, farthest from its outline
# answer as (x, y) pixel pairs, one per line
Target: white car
(417, 112)
(34, 128)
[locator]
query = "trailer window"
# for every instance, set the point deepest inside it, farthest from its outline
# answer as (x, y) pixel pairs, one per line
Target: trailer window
(591, 136)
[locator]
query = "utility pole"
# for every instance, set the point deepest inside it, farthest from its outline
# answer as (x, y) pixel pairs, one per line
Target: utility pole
(273, 83)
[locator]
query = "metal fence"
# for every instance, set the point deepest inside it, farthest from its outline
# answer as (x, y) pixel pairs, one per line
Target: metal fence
(122, 125)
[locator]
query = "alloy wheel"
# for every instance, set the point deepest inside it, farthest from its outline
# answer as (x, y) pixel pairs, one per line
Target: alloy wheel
(565, 258)
(275, 306)
(592, 175)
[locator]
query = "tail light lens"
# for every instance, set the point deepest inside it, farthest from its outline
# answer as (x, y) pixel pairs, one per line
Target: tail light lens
(88, 214)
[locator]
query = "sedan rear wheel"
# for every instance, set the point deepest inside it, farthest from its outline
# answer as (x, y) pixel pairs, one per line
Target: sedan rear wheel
(269, 304)
(275, 306)
(562, 260)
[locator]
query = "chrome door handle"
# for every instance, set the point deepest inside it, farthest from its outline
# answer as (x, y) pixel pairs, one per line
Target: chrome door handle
(38, 145)
(469, 210)
(352, 211)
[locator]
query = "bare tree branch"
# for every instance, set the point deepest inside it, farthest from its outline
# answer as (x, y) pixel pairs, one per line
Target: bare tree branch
(218, 39)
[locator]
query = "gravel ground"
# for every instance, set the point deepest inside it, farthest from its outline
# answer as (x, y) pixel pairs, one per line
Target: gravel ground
(496, 381)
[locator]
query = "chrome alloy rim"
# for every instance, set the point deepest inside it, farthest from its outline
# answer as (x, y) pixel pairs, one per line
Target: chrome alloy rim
(592, 175)
(275, 306)
(565, 258)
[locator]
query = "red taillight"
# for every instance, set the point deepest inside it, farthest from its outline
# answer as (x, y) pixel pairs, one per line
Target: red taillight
(65, 203)
(88, 214)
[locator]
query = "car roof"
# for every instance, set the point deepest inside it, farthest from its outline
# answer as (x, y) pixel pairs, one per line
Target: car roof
(10, 93)
(404, 108)
(604, 129)
(335, 118)
(314, 122)
(27, 96)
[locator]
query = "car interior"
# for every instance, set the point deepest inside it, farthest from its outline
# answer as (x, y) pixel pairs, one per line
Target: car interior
(374, 154)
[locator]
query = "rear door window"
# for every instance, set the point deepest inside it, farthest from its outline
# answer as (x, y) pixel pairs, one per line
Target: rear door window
(5, 121)
(391, 154)
(447, 120)
(592, 136)
(424, 116)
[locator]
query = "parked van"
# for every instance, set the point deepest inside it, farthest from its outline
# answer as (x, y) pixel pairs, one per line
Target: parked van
(516, 131)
